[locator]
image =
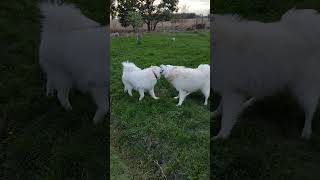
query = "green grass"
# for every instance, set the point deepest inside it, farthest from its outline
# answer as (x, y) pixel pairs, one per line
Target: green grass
(118, 168)
(42, 141)
(265, 143)
(156, 131)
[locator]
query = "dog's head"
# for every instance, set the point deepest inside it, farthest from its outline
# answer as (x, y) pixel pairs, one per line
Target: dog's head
(165, 69)
(156, 71)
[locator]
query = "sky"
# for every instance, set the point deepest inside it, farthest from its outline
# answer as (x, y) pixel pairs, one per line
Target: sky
(196, 6)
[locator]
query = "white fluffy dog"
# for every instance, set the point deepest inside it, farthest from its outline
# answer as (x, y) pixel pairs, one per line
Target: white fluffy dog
(188, 80)
(140, 80)
(258, 59)
(74, 54)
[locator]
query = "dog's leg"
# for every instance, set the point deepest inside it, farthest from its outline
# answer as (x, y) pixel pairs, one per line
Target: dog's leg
(246, 104)
(129, 90)
(151, 92)
(177, 96)
(308, 101)
(206, 93)
(141, 92)
(49, 88)
(125, 89)
(217, 112)
(63, 96)
(100, 97)
(231, 107)
(182, 96)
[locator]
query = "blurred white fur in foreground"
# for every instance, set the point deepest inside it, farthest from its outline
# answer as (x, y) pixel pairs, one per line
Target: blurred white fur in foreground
(74, 54)
(257, 59)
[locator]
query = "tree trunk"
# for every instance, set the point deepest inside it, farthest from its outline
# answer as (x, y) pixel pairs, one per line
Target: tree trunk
(138, 36)
(155, 25)
(149, 26)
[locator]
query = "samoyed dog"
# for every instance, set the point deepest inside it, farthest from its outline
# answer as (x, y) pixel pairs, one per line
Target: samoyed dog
(74, 54)
(254, 59)
(140, 80)
(188, 80)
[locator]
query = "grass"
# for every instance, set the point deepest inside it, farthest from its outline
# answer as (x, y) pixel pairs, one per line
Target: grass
(265, 143)
(42, 140)
(155, 135)
(118, 169)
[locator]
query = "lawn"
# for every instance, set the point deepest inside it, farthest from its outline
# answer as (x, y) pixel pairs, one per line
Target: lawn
(265, 142)
(42, 141)
(156, 138)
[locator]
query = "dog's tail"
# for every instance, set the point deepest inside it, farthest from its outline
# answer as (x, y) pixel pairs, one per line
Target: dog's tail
(61, 17)
(129, 66)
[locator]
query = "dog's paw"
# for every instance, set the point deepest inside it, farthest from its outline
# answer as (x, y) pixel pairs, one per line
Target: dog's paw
(219, 137)
(305, 135)
(67, 107)
(156, 98)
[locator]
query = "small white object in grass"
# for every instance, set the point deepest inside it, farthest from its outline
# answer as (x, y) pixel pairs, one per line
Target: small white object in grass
(173, 39)
(116, 34)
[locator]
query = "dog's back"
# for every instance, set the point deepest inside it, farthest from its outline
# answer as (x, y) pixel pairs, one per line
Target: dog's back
(129, 67)
(262, 64)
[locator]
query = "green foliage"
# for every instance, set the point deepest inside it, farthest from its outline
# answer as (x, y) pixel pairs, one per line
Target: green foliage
(135, 20)
(157, 130)
(152, 12)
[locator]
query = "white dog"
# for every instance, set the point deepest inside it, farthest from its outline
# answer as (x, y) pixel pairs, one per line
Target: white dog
(258, 59)
(74, 54)
(188, 80)
(140, 80)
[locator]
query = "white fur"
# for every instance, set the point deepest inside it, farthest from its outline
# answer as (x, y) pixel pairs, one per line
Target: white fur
(140, 80)
(74, 54)
(258, 59)
(188, 80)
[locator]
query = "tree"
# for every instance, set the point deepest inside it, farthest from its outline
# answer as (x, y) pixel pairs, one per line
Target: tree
(152, 11)
(136, 21)
(123, 7)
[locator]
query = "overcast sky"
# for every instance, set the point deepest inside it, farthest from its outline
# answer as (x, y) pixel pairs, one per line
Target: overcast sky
(196, 6)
